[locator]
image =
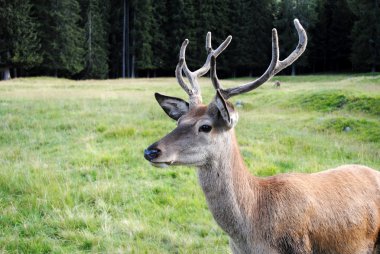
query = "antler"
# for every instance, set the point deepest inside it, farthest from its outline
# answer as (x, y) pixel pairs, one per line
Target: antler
(275, 65)
(194, 91)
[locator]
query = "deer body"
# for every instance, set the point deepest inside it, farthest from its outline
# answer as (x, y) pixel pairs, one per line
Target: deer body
(335, 211)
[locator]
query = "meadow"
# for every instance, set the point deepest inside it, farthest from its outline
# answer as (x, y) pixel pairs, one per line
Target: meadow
(73, 178)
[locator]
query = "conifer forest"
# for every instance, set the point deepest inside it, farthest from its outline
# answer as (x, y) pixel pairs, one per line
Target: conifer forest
(99, 39)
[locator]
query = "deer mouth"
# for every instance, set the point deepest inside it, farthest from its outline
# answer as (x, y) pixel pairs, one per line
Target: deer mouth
(161, 164)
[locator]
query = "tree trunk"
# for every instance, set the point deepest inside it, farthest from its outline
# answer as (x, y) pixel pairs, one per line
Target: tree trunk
(15, 73)
(128, 66)
(89, 40)
(124, 39)
(133, 44)
(293, 69)
(133, 75)
(125, 58)
(6, 74)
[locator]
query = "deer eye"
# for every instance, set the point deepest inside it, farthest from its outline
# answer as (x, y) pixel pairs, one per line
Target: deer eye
(205, 128)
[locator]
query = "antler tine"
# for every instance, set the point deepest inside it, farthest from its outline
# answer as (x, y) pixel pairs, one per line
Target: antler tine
(206, 66)
(178, 74)
(275, 66)
(208, 42)
(194, 92)
(214, 77)
(182, 64)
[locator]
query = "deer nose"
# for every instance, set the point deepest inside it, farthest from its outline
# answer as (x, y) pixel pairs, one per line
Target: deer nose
(151, 153)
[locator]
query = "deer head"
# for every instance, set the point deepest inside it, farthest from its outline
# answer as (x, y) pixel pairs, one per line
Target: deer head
(203, 132)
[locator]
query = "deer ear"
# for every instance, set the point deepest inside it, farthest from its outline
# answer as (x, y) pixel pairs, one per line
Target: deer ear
(226, 110)
(173, 107)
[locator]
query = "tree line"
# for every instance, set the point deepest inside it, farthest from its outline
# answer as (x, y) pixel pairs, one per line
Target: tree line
(97, 39)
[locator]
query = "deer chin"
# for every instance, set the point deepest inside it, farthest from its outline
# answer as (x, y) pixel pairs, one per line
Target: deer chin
(161, 164)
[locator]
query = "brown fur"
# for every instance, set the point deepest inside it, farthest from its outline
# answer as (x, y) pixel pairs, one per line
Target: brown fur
(335, 211)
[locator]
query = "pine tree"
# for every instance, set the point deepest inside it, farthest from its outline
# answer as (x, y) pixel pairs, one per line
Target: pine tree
(88, 38)
(331, 46)
(61, 36)
(235, 53)
(159, 32)
(95, 13)
(19, 42)
(126, 43)
(181, 26)
(288, 10)
(220, 30)
(115, 57)
(211, 17)
(366, 35)
(204, 22)
(258, 21)
(142, 53)
(251, 24)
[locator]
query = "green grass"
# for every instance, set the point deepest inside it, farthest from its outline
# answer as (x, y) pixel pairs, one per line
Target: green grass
(73, 178)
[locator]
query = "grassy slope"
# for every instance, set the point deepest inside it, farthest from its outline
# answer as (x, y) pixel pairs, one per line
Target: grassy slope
(73, 178)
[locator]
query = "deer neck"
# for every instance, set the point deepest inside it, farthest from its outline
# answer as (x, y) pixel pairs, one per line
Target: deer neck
(229, 188)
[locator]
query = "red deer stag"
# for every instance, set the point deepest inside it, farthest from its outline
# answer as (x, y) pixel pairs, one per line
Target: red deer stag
(335, 211)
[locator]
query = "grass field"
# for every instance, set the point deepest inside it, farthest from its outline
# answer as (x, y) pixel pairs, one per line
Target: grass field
(73, 178)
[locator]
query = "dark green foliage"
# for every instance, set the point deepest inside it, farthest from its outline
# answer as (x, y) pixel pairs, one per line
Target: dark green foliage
(61, 36)
(180, 26)
(18, 35)
(214, 18)
(88, 39)
(142, 52)
(236, 48)
(250, 25)
(331, 43)
(95, 13)
(115, 38)
(366, 34)
(305, 11)
(159, 44)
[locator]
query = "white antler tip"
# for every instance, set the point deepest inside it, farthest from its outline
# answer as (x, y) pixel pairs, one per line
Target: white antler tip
(208, 42)
(297, 23)
(228, 40)
(185, 42)
(274, 36)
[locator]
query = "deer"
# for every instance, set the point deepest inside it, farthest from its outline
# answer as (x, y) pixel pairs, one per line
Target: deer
(332, 211)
